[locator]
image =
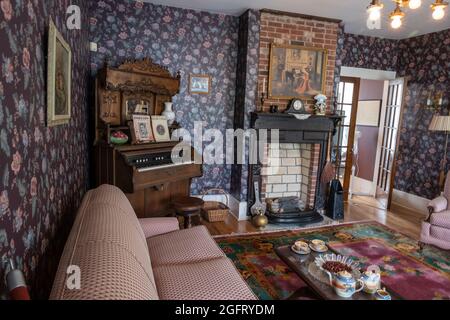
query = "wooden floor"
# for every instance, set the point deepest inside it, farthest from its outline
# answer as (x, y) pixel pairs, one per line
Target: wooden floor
(399, 219)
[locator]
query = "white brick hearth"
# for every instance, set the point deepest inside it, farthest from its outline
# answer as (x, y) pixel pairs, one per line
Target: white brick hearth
(287, 171)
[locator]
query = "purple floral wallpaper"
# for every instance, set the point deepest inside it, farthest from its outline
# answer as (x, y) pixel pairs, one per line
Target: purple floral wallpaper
(426, 60)
(189, 41)
(43, 172)
(369, 52)
(246, 88)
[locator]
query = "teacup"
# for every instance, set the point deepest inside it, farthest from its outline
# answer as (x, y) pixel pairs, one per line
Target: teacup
(301, 246)
(382, 294)
(317, 244)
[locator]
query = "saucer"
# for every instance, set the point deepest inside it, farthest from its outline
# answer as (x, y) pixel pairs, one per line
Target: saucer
(320, 249)
(300, 251)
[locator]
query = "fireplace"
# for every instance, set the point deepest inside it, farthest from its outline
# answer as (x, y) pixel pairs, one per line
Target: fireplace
(292, 168)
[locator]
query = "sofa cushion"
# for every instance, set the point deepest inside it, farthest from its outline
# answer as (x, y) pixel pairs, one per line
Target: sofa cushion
(184, 246)
(215, 279)
(440, 233)
(156, 226)
(441, 219)
(107, 272)
(109, 224)
(108, 245)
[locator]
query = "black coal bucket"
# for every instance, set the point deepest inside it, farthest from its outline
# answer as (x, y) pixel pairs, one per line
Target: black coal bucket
(335, 205)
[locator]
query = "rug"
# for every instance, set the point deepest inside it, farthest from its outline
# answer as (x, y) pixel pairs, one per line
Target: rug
(407, 271)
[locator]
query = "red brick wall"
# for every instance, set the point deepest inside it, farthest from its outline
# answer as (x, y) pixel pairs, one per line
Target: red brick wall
(281, 29)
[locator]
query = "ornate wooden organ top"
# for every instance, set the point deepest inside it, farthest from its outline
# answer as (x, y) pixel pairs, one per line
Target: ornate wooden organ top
(145, 172)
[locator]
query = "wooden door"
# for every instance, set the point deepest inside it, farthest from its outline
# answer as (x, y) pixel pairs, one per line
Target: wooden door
(390, 127)
(347, 105)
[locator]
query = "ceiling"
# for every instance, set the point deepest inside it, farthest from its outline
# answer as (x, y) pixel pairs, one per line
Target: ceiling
(352, 12)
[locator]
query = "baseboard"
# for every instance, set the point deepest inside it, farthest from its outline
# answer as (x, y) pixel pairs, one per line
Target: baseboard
(237, 208)
(410, 201)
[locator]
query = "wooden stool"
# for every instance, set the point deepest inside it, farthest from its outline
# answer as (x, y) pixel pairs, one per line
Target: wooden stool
(187, 207)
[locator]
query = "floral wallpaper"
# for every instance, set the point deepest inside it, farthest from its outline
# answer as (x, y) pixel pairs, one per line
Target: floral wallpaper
(43, 172)
(189, 41)
(246, 89)
(426, 60)
(369, 52)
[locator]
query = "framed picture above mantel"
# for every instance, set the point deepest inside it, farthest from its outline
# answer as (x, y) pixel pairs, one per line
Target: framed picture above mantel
(296, 71)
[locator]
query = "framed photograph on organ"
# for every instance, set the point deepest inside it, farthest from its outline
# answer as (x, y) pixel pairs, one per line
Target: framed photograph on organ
(160, 128)
(141, 130)
(296, 71)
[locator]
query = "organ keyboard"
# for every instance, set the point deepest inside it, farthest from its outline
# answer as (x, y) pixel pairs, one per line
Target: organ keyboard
(147, 174)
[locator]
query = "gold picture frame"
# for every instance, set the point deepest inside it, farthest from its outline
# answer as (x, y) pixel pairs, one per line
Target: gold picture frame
(197, 84)
(297, 71)
(59, 78)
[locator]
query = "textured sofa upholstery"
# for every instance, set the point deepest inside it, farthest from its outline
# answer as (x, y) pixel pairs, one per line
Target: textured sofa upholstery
(122, 257)
(436, 229)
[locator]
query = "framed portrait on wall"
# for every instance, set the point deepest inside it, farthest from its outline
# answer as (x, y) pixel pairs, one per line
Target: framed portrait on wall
(296, 71)
(199, 84)
(59, 78)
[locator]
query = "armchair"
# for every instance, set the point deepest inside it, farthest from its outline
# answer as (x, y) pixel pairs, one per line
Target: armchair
(436, 228)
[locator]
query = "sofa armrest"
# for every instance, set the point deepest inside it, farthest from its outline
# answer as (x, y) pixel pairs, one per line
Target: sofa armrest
(157, 226)
(438, 204)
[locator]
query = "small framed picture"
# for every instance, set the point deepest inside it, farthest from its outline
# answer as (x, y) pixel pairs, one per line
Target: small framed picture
(199, 84)
(59, 75)
(142, 129)
(160, 128)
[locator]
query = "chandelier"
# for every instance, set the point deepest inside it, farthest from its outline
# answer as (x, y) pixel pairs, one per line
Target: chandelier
(396, 16)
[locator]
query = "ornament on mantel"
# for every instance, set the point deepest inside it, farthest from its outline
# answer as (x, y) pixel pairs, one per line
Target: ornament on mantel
(321, 104)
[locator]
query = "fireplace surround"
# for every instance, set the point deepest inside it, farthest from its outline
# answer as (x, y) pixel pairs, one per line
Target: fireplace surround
(302, 150)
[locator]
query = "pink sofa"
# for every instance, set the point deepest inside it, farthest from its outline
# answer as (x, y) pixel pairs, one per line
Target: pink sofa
(436, 228)
(122, 257)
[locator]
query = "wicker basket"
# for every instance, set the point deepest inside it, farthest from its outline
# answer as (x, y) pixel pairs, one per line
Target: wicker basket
(214, 211)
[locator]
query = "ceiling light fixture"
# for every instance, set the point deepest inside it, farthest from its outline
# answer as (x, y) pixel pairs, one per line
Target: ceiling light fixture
(396, 17)
(414, 4)
(438, 9)
(374, 10)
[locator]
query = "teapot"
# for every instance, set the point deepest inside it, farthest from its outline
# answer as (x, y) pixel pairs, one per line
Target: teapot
(344, 283)
(372, 279)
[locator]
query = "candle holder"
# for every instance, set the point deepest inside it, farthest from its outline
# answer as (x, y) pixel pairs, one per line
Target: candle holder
(263, 98)
(264, 94)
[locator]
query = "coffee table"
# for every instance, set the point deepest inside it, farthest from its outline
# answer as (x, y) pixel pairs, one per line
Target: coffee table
(300, 264)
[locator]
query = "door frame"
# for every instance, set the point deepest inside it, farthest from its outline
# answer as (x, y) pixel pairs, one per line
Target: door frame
(351, 135)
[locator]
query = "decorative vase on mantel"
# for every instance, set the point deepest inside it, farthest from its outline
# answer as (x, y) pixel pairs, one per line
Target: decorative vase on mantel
(168, 113)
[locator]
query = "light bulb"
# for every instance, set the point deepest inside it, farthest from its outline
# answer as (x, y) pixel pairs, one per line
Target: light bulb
(396, 22)
(438, 13)
(374, 14)
(414, 4)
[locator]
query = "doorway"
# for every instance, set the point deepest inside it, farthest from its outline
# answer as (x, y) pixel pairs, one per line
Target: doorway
(367, 138)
